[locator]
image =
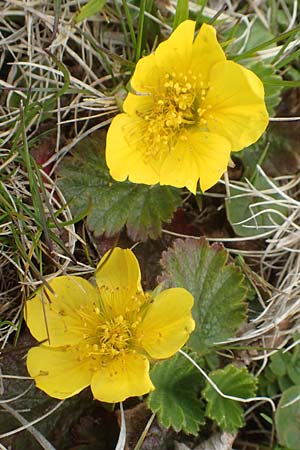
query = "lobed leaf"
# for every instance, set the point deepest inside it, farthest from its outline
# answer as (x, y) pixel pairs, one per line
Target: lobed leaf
(174, 399)
(282, 372)
(109, 205)
(218, 288)
(233, 381)
(287, 418)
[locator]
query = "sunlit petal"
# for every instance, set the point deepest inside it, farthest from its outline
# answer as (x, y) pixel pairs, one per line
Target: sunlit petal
(206, 53)
(119, 268)
(125, 153)
(119, 280)
(138, 105)
(174, 54)
(58, 371)
(200, 155)
(168, 323)
(126, 376)
(54, 316)
(237, 107)
(146, 77)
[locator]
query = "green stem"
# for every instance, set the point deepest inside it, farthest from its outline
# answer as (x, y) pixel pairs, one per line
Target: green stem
(129, 22)
(140, 30)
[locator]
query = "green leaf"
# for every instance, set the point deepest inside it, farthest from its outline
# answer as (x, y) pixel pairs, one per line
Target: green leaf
(263, 45)
(272, 83)
(182, 13)
(85, 181)
(293, 371)
(174, 399)
(251, 215)
(287, 418)
(234, 381)
(279, 447)
(267, 418)
(276, 152)
(284, 383)
(278, 363)
(258, 34)
(281, 373)
(218, 289)
(272, 390)
(89, 9)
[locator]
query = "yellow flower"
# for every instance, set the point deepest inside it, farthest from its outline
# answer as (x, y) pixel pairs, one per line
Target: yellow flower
(190, 108)
(104, 336)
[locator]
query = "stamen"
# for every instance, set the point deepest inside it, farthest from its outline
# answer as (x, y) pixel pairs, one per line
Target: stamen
(177, 104)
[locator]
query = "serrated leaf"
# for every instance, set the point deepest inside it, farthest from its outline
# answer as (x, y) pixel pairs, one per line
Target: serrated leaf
(89, 9)
(234, 381)
(218, 289)
(287, 418)
(84, 180)
(251, 215)
(174, 399)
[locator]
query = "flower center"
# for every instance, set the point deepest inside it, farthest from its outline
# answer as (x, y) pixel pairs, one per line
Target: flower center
(176, 106)
(107, 339)
(114, 336)
(103, 337)
(106, 335)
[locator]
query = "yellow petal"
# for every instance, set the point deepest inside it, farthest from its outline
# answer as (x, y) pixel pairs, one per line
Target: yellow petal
(118, 277)
(238, 110)
(135, 105)
(57, 371)
(206, 52)
(125, 150)
(119, 268)
(167, 324)
(53, 317)
(174, 54)
(146, 76)
(123, 377)
(201, 155)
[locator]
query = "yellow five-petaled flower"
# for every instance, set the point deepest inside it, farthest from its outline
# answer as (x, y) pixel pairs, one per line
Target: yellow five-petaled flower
(190, 108)
(104, 335)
